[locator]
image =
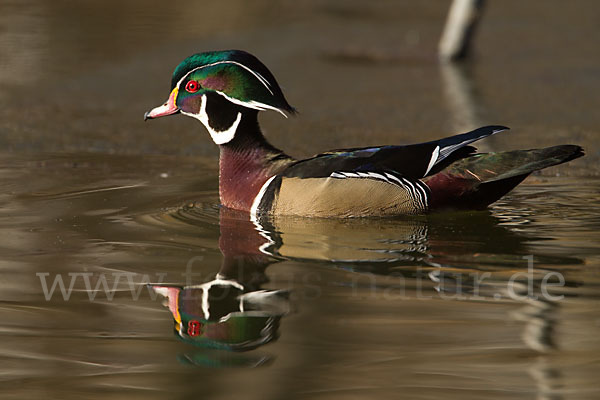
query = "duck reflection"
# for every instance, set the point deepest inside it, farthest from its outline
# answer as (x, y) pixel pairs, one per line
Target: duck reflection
(230, 312)
(383, 245)
(450, 251)
(453, 251)
(223, 314)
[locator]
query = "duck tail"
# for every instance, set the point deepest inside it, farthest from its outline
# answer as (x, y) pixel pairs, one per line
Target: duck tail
(478, 180)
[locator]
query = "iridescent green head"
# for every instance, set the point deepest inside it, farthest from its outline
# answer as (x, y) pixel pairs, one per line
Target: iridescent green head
(217, 87)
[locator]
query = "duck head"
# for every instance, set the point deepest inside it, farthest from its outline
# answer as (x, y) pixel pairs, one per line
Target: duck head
(220, 89)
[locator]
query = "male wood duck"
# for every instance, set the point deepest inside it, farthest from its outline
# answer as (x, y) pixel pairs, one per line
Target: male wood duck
(225, 90)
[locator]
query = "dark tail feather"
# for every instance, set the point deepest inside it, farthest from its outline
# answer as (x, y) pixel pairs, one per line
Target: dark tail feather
(479, 180)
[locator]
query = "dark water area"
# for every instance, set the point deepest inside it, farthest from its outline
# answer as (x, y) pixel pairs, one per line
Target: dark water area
(122, 277)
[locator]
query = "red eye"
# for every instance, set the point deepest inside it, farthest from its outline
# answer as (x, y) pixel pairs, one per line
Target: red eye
(194, 328)
(192, 86)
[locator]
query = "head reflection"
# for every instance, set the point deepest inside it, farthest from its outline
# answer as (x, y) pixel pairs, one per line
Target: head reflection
(232, 311)
(220, 314)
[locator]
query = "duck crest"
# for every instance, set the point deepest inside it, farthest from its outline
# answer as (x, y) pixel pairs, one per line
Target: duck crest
(237, 76)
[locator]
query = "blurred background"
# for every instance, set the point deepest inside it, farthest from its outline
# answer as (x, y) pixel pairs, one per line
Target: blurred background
(77, 76)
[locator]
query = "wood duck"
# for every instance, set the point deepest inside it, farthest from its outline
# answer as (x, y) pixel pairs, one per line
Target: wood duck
(225, 90)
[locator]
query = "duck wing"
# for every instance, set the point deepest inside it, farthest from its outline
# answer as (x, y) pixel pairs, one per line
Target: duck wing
(413, 161)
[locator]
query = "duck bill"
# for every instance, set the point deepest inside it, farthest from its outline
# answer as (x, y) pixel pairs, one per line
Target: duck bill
(169, 108)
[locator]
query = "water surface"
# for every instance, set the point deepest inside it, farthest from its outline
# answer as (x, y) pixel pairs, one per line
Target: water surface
(363, 307)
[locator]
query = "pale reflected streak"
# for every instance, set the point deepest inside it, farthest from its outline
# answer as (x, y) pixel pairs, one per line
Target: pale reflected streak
(465, 108)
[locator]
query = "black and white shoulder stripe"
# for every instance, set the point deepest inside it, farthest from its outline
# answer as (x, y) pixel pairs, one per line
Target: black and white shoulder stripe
(417, 189)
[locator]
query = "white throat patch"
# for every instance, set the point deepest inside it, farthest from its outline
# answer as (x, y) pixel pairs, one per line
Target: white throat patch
(219, 137)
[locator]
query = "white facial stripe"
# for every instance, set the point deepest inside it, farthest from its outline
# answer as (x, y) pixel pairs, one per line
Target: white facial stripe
(252, 104)
(219, 137)
(256, 74)
(205, 305)
(206, 288)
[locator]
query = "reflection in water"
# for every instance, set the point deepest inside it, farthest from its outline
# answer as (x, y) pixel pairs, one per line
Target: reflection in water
(361, 320)
(423, 253)
(221, 314)
(231, 312)
(539, 317)
(548, 380)
(463, 99)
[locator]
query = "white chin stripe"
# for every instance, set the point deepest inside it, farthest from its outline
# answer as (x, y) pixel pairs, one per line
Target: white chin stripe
(219, 137)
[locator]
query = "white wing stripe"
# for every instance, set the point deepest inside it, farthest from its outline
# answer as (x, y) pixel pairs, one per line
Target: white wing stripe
(446, 151)
(433, 161)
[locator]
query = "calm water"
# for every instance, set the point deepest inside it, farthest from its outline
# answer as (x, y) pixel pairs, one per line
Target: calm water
(334, 309)
(122, 278)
